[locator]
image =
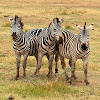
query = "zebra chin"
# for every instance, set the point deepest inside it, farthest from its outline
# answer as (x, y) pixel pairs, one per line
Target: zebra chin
(60, 40)
(14, 39)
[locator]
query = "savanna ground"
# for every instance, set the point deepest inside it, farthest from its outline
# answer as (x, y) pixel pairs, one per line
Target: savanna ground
(38, 14)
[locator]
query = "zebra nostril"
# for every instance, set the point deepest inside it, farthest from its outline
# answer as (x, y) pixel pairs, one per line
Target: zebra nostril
(14, 33)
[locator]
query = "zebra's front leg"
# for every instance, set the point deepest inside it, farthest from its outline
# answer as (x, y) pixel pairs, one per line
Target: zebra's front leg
(85, 63)
(17, 65)
(39, 63)
(73, 74)
(72, 69)
(64, 68)
(50, 66)
(24, 64)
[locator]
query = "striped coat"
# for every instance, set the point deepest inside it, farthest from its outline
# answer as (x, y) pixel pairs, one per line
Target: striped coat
(76, 47)
(47, 43)
(25, 43)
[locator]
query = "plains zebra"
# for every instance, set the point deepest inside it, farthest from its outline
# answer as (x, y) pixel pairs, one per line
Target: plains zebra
(76, 47)
(24, 43)
(47, 43)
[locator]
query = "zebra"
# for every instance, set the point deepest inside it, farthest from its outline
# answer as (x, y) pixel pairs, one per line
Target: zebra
(76, 47)
(24, 43)
(47, 41)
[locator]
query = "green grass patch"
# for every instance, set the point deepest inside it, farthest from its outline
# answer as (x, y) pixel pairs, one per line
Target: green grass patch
(68, 27)
(7, 25)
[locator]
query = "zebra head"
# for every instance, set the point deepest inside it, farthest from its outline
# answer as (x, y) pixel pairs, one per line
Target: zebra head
(55, 28)
(84, 36)
(16, 27)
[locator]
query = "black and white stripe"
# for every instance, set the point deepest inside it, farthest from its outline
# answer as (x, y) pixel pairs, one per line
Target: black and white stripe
(76, 47)
(47, 43)
(25, 43)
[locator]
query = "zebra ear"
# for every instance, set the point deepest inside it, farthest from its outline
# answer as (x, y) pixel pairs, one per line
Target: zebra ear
(78, 26)
(62, 20)
(90, 27)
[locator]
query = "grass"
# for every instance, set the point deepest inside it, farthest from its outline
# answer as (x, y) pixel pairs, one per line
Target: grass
(38, 14)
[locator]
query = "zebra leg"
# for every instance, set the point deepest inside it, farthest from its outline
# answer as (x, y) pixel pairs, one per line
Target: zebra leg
(36, 59)
(39, 63)
(56, 60)
(73, 75)
(47, 56)
(72, 69)
(50, 65)
(85, 63)
(24, 64)
(18, 57)
(64, 68)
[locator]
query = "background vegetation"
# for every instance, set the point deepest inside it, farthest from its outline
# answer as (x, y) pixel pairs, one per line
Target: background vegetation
(38, 14)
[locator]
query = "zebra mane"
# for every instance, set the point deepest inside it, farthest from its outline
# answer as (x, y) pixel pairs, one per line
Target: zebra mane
(19, 21)
(57, 20)
(84, 25)
(84, 28)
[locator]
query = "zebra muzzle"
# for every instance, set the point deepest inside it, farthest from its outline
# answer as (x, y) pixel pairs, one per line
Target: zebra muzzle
(84, 47)
(14, 36)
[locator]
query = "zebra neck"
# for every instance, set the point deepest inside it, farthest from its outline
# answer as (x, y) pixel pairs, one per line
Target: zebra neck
(50, 39)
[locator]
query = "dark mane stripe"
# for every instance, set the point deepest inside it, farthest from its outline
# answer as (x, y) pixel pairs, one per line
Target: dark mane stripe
(57, 19)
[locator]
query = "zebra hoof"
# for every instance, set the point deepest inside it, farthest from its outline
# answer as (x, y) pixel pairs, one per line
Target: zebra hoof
(35, 74)
(56, 71)
(69, 82)
(16, 78)
(87, 83)
(24, 75)
(49, 76)
(75, 78)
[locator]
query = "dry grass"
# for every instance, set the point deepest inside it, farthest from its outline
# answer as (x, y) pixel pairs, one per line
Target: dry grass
(38, 14)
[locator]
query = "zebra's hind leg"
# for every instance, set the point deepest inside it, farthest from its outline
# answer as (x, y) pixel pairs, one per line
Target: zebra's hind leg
(24, 64)
(17, 65)
(56, 60)
(73, 75)
(50, 66)
(85, 63)
(39, 64)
